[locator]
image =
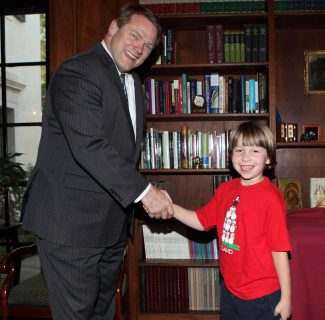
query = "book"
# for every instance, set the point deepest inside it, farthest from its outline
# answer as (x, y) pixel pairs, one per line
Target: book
(214, 90)
(248, 42)
(291, 190)
(219, 47)
(211, 41)
(281, 132)
(255, 43)
(262, 43)
(317, 192)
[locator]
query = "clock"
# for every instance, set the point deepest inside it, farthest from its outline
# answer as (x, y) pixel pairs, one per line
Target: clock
(199, 105)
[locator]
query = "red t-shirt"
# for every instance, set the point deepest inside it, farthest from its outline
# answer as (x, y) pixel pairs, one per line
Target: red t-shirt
(251, 223)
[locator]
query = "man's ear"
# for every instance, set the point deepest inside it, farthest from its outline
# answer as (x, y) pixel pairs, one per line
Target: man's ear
(112, 28)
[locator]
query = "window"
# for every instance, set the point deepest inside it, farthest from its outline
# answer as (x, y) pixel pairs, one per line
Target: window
(24, 77)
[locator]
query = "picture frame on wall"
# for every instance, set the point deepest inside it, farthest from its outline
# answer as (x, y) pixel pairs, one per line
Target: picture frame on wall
(311, 132)
(314, 73)
(317, 192)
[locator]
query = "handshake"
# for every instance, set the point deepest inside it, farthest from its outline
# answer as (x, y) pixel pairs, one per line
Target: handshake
(158, 204)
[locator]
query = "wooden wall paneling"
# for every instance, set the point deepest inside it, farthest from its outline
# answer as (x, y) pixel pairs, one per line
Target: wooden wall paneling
(77, 25)
(89, 26)
(292, 103)
(302, 164)
(62, 31)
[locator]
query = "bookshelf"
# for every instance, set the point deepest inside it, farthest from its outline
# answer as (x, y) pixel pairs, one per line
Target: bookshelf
(193, 187)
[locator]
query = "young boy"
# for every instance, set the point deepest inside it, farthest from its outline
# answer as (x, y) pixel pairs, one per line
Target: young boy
(249, 214)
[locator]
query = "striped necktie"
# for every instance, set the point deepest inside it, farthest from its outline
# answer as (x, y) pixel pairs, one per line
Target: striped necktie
(122, 77)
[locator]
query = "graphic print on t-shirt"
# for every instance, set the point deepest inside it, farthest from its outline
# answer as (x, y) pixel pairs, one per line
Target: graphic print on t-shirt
(229, 227)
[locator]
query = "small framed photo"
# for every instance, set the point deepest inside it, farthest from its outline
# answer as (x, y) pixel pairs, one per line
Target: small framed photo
(314, 74)
(311, 132)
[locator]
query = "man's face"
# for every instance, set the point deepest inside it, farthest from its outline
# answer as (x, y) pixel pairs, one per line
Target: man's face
(131, 44)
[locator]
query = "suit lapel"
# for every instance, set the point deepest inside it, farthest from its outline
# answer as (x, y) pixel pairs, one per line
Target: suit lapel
(112, 71)
(140, 112)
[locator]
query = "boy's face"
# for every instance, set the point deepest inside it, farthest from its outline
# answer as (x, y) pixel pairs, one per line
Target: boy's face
(249, 162)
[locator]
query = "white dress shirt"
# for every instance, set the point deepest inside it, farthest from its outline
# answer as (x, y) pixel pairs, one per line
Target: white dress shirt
(129, 85)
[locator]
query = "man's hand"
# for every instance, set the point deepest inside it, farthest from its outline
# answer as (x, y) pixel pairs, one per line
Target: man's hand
(157, 204)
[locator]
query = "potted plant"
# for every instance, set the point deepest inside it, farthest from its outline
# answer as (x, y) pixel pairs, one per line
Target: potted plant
(12, 174)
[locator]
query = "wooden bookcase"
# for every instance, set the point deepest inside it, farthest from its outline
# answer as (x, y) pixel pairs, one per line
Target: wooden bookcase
(193, 187)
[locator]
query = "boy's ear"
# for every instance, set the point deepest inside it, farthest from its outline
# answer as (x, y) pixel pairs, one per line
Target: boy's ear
(267, 161)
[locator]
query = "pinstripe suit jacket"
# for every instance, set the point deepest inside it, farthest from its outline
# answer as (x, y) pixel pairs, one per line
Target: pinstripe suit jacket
(84, 181)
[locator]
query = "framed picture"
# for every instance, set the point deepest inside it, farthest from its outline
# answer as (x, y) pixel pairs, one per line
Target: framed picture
(317, 192)
(314, 72)
(311, 132)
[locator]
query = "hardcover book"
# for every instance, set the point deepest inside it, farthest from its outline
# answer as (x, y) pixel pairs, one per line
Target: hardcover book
(211, 37)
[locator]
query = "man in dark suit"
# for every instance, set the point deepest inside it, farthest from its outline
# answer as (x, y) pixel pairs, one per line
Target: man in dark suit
(79, 197)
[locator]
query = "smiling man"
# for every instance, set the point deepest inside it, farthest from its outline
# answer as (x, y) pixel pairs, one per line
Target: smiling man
(80, 196)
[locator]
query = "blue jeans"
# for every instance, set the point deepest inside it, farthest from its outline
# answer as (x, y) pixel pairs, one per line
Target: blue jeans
(234, 308)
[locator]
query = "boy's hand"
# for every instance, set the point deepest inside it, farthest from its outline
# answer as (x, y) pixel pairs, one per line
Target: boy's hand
(167, 194)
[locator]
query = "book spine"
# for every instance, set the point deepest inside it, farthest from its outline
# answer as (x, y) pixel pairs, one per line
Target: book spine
(255, 45)
(184, 93)
(214, 85)
(211, 41)
(262, 44)
(248, 42)
(170, 46)
(226, 47)
(184, 153)
(206, 92)
(219, 43)
(252, 96)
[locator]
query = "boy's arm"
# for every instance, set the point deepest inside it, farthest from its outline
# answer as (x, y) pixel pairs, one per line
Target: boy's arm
(281, 263)
(188, 217)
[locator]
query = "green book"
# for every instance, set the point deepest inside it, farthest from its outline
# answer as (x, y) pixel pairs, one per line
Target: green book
(226, 47)
(232, 47)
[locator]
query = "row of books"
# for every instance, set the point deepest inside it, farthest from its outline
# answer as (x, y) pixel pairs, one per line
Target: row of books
(299, 5)
(176, 243)
(184, 149)
(222, 94)
(179, 289)
(247, 45)
(203, 6)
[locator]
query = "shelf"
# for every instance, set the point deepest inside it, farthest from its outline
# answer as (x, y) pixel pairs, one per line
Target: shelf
(190, 315)
(199, 21)
(206, 117)
(184, 171)
(203, 68)
(191, 263)
(297, 19)
(300, 145)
